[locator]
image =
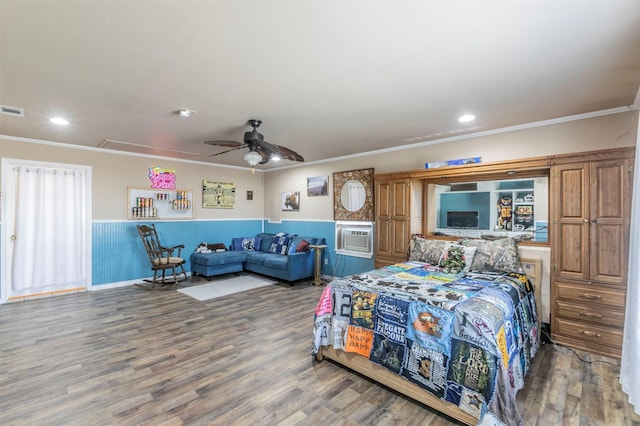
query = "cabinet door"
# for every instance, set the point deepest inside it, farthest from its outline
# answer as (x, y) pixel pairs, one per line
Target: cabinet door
(392, 218)
(384, 232)
(570, 220)
(401, 217)
(609, 220)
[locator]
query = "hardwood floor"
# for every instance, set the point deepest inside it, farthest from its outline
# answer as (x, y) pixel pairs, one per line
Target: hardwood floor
(130, 357)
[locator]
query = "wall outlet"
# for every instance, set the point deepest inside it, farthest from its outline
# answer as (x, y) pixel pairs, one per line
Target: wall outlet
(326, 261)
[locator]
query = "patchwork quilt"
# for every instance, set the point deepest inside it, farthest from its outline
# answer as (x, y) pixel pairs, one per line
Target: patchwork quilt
(468, 339)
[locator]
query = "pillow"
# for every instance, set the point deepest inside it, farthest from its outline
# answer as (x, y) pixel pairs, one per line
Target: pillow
(279, 244)
(302, 246)
(246, 243)
(424, 250)
(494, 255)
(456, 258)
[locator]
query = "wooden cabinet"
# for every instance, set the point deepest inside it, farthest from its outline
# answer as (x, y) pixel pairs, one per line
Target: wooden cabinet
(397, 217)
(590, 211)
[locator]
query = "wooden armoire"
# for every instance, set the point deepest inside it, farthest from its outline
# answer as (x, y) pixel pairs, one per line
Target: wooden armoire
(590, 217)
(589, 220)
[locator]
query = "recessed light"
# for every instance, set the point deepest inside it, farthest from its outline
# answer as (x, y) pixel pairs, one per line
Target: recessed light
(466, 118)
(59, 120)
(185, 112)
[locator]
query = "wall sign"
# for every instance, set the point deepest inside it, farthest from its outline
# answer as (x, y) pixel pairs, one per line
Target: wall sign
(162, 178)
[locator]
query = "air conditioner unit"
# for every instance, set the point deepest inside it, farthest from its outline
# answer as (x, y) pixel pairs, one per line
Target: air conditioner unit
(354, 239)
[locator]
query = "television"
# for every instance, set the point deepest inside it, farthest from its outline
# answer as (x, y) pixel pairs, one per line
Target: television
(463, 219)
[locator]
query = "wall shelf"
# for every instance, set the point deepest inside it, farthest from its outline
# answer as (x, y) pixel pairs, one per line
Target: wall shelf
(145, 204)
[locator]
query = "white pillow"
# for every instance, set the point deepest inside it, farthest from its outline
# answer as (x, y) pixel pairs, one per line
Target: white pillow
(450, 264)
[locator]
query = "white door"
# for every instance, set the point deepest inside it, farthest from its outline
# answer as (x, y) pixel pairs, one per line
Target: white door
(46, 229)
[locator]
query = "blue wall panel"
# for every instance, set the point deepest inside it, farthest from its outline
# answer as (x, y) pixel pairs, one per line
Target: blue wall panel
(118, 254)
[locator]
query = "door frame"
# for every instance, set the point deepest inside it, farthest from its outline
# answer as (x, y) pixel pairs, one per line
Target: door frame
(5, 233)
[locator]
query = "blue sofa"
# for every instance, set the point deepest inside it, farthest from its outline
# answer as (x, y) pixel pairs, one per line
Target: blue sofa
(265, 254)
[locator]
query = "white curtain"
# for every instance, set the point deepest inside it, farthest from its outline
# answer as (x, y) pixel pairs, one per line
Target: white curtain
(629, 372)
(48, 234)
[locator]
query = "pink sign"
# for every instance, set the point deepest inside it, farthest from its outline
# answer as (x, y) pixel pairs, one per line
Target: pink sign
(162, 178)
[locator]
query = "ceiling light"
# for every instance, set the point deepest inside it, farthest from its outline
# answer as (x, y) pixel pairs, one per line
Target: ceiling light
(466, 118)
(275, 157)
(59, 120)
(185, 112)
(252, 158)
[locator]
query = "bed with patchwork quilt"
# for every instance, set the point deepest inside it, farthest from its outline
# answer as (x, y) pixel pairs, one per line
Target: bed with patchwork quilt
(458, 341)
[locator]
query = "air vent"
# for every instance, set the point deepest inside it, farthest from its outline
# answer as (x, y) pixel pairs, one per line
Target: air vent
(16, 112)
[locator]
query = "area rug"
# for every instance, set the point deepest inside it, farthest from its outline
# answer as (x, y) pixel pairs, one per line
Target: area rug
(224, 287)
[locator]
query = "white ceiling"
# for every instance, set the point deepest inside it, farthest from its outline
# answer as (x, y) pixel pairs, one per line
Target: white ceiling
(328, 78)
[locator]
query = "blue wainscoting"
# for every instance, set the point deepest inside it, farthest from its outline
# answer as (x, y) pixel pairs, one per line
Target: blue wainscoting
(118, 255)
(337, 265)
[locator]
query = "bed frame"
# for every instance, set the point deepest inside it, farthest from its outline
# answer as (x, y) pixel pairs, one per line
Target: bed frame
(366, 367)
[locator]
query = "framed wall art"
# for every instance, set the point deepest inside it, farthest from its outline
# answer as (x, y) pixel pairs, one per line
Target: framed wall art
(290, 201)
(218, 195)
(317, 186)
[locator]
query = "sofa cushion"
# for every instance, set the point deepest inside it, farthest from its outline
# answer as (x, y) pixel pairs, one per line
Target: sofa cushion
(256, 257)
(246, 243)
(276, 261)
(222, 258)
(266, 240)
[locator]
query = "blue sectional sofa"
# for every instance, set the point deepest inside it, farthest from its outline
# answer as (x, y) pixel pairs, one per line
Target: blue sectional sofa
(282, 256)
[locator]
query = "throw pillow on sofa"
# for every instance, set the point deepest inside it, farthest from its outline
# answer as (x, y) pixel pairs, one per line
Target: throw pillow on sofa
(246, 243)
(279, 244)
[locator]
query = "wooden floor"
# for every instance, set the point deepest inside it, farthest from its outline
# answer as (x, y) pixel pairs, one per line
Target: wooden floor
(127, 356)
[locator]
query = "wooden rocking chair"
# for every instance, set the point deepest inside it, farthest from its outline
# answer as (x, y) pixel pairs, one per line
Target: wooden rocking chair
(162, 260)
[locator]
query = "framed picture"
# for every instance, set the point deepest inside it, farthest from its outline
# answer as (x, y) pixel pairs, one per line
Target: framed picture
(218, 195)
(317, 186)
(290, 201)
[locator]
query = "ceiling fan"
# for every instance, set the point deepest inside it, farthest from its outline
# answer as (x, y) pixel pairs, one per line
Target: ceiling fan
(260, 151)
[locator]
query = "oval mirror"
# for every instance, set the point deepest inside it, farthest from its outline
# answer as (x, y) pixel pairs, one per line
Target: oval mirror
(352, 195)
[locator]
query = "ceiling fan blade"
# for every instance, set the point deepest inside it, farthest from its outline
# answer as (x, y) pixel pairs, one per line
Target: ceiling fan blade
(230, 144)
(228, 150)
(266, 156)
(290, 154)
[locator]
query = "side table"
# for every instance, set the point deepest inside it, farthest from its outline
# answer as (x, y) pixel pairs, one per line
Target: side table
(318, 249)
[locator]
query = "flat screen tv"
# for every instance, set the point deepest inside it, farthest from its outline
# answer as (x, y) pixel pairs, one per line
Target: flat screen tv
(463, 219)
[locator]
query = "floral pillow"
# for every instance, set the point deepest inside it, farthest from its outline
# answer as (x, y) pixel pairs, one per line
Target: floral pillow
(424, 250)
(494, 255)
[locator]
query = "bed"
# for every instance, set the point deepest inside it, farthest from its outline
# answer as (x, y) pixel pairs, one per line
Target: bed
(455, 327)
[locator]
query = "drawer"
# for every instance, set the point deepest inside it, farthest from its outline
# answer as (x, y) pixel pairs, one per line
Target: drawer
(591, 293)
(593, 314)
(588, 332)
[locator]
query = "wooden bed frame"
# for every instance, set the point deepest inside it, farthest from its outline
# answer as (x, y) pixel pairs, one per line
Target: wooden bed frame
(366, 367)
